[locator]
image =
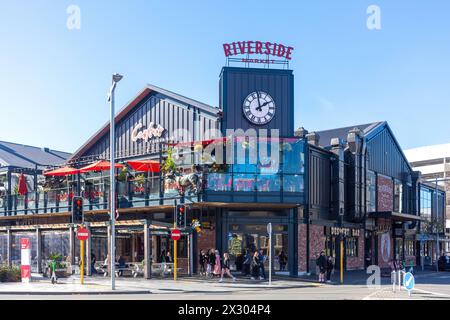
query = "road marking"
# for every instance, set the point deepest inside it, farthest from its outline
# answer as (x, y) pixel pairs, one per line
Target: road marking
(430, 292)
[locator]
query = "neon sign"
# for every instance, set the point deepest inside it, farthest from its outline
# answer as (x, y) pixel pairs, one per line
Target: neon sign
(153, 130)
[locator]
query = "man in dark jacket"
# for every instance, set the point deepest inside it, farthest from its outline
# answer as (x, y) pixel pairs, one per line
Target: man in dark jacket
(247, 262)
(322, 264)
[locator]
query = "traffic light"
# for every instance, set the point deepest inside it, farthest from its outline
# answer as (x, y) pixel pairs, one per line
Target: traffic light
(181, 216)
(77, 210)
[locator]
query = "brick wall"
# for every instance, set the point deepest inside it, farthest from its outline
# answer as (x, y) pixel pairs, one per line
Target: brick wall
(316, 245)
(357, 263)
(302, 247)
(206, 240)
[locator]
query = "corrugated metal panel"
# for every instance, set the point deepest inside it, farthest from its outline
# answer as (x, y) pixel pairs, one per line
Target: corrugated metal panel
(237, 83)
(319, 184)
(157, 109)
(384, 156)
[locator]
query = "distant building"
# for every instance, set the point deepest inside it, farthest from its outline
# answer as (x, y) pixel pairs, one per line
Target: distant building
(434, 164)
(17, 159)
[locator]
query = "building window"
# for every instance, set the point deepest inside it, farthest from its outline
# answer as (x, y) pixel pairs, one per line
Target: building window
(398, 196)
(425, 206)
(409, 248)
(371, 191)
(351, 246)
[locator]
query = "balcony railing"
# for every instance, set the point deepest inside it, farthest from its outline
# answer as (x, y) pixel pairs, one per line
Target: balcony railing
(132, 193)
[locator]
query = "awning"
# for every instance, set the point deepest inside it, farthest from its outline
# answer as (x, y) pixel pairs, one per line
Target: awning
(395, 216)
(64, 171)
(144, 165)
(100, 165)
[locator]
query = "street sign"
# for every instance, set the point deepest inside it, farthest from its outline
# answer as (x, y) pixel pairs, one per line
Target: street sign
(175, 235)
(409, 281)
(82, 234)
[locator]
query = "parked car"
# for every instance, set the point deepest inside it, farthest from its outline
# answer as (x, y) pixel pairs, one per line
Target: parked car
(444, 263)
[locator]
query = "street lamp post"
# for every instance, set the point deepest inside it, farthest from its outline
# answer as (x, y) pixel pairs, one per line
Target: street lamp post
(112, 194)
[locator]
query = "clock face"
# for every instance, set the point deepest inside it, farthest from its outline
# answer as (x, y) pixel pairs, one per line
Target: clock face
(259, 107)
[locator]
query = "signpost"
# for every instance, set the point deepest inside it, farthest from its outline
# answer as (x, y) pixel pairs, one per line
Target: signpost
(25, 254)
(175, 235)
(409, 282)
(269, 231)
(82, 235)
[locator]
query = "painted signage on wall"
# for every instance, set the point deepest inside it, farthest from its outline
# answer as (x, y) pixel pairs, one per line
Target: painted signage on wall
(258, 47)
(385, 243)
(153, 131)
(385, 194)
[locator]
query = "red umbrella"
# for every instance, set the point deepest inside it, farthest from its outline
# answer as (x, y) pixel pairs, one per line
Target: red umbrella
(145, 165)
(64, 171)
(23, 189)
(100, 165)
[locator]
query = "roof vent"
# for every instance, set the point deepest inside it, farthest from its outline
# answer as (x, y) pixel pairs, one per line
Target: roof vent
(45, 149)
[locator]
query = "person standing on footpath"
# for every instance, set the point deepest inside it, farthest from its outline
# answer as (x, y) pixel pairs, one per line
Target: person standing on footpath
(330, 267)
(322, 264)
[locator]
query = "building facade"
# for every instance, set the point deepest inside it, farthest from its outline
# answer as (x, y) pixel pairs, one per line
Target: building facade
(434, 164)
(237, 168)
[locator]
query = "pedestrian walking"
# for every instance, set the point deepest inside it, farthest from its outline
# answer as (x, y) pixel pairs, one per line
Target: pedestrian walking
(211, 262)
(322, 264)
(330, 267)
(202, 260)
(217, 265)
(246, 263)
(262, 260)
(282, 259)
(226, 267)
(255, 266)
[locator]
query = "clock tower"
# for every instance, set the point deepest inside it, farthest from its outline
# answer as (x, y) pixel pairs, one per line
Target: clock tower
(257, 98)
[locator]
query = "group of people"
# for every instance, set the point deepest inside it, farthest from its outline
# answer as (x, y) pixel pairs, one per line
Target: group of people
(213, 265)
(326, 267)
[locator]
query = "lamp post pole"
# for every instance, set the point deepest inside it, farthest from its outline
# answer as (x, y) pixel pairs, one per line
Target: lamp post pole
(112, 193)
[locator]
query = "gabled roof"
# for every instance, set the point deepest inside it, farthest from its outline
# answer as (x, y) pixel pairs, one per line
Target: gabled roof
(149, 88)
(24, 156)
(341, 133)
(369, 130)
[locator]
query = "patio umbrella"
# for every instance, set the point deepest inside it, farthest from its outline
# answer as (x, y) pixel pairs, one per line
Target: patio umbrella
(64, 171)
(100, 165)
(23, 189)
(145, 165)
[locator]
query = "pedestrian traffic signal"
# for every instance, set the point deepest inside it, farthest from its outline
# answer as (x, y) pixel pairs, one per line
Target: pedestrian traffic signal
(77, 210)
(181, 216)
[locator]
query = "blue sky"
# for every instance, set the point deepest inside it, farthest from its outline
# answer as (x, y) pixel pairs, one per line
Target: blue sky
(55, 80)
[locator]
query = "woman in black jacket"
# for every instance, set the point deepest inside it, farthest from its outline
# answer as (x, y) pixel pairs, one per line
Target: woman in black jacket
(225, 263)
(202, 259)
(211, 259)
(255, 266)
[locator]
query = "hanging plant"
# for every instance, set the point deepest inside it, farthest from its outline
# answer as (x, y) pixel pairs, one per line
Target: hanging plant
(122, 176)
(169, 164)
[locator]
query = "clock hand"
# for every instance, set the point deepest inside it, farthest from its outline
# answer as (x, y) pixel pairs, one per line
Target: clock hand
(264, 104)
(259, 102)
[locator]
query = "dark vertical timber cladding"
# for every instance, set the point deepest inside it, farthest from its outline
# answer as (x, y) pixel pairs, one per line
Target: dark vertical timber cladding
(237, 83)
(159, 109)
(384, 156)
(319, 183)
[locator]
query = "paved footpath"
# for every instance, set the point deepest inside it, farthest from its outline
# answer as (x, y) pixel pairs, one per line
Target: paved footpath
(429, 285)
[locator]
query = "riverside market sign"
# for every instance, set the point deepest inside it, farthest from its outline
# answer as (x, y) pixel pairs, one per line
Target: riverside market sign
(257, 47)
